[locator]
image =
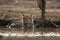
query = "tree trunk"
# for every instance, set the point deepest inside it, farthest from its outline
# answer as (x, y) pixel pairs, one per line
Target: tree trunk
(41, 4)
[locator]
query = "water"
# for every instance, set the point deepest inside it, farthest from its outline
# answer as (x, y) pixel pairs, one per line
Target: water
(31, 32)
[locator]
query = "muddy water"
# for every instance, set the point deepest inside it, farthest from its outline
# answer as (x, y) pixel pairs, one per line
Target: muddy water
(46, 30)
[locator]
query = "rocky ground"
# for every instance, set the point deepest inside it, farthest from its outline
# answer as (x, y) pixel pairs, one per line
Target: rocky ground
(16, 7)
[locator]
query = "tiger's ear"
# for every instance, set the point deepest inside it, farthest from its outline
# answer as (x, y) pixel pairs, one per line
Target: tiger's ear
(31, 15)
(22, 14)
